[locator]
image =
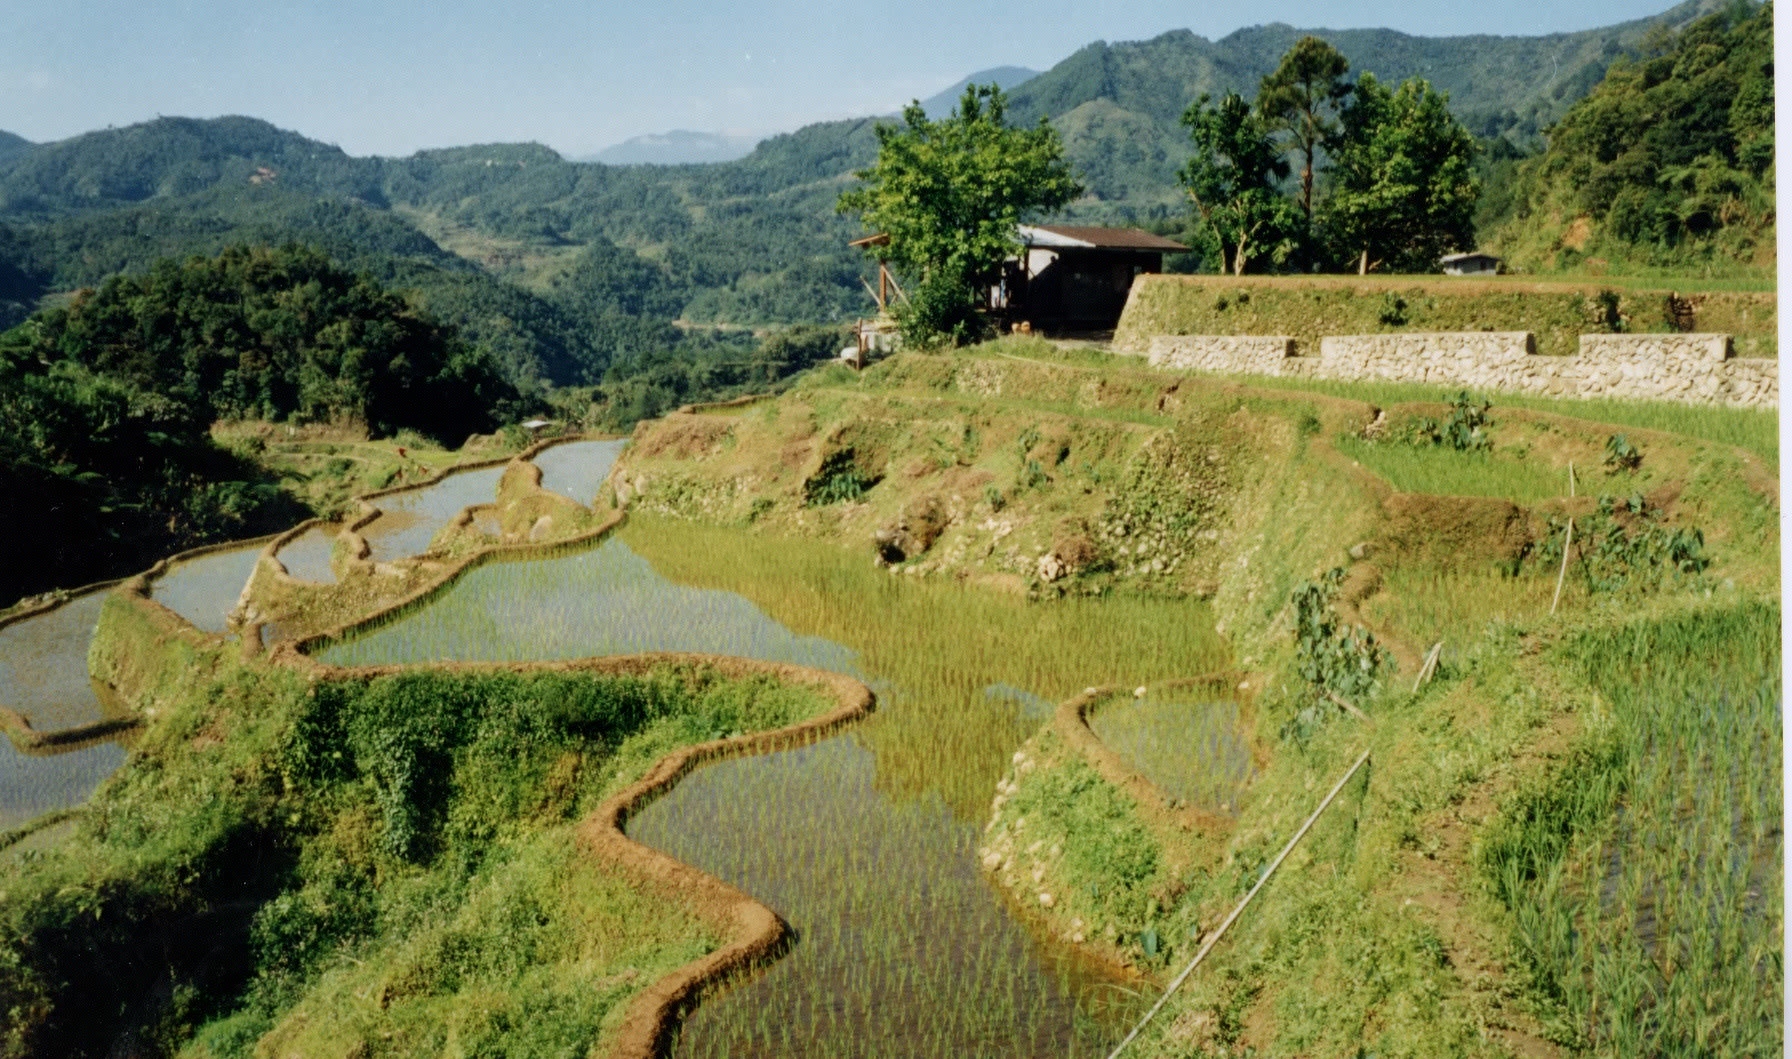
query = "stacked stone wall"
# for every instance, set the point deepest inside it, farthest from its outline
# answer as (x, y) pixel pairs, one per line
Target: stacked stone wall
(1694, 368)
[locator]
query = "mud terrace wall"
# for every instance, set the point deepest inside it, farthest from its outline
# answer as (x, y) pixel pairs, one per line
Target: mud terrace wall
(1695, 368)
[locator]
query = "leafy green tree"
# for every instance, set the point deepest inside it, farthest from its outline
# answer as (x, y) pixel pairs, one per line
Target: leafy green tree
(1233, 183)
(1403, 186)
(1670, 157)
(1302, 98)
(950, 195)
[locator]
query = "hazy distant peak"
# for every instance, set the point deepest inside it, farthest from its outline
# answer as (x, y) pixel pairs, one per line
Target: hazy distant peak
(1005, 77)
(678, 147)
(12, 144)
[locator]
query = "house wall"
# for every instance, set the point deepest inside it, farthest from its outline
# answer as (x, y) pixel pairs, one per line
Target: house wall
(1695, 368)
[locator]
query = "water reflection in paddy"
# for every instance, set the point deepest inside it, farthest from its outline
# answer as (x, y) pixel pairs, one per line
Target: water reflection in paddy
(205, 590)
(408, 521)
(865, 842)
(43, 665)
(576, 469)
(307, 557)
(34, 784)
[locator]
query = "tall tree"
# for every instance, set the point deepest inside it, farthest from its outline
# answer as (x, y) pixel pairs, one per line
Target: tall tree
(1241, 215)
(1302, 98)
(1403, 187)
(951, 194)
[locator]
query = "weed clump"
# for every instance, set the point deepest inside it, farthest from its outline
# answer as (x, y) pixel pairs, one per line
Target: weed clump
(1625, 546)
(1464, 430)
(1334, 662)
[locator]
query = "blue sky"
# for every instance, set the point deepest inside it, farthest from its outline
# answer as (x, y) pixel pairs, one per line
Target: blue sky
(392, 76)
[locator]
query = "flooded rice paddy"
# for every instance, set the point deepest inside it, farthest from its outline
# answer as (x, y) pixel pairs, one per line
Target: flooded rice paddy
(408, 521)
(34, 784)
(307, 556)
(576, 469)
(206, 589)
(43, 665)
(43, 675)
(865, 842)
(1189, 745)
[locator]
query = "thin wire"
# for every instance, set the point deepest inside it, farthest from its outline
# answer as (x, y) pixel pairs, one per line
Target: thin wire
(1214, 939)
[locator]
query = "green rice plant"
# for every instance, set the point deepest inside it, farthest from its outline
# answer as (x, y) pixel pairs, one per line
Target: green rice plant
(1643, 877)
(1443, 472)
(857, 840)
(1753, 429)
(1192, 748)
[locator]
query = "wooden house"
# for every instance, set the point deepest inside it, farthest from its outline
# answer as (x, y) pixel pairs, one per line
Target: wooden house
(1076, 278)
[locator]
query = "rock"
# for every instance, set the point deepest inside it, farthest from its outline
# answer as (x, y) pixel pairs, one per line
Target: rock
(1049, 568)
(1046, 900)
(1361, 551)
(1138, 692)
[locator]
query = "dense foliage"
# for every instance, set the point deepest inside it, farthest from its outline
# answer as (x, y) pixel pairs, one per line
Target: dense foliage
(277, 335)
(949, 194)
(1668, 162)
(1403, 188)
(1240, 213)
(106, 460)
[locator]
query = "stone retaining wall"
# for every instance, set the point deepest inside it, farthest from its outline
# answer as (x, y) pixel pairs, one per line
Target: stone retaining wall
(1694, 368)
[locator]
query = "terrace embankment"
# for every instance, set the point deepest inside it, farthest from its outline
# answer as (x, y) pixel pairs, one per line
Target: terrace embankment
(1307, 309)
(281, 812)
(1392, 927)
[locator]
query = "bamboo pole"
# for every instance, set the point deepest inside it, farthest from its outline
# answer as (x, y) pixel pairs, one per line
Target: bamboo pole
(1214, 938)
(1428, 667)
(1571, 479)
(1564, 574)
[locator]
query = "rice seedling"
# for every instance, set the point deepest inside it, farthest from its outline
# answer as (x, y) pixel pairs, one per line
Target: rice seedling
(1643, 879)
(1753, 429)
(34, 784)
(862, 841)
(1443, 472)
(307, 557)
(1191, 747)
(43, 665)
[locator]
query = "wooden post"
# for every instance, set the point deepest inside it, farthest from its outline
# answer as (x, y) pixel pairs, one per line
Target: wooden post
(1564, 574)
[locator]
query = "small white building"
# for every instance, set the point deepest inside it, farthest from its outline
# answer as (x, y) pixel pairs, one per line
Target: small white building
(1475, 264)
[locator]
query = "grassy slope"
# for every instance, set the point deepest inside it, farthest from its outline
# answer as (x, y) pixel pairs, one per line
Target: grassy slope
(373, 867)
(1386, 930)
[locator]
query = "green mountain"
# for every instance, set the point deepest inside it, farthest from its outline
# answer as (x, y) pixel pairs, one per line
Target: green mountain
(12, 144)
(1007, 78)
(1668, 164)
(530, 252)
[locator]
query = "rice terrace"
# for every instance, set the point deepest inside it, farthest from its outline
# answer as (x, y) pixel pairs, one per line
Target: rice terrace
(481, 603)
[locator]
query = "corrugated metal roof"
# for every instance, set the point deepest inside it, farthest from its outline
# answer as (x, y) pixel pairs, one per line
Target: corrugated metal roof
(1096, 238)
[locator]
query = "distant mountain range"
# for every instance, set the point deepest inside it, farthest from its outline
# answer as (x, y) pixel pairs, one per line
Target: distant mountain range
(678, 147)
(1007, 77)
(684, 147)
(753, 240)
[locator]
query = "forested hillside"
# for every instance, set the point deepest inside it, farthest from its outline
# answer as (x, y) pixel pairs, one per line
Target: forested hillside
(1668, 164)
(106, 405)
(568, 273)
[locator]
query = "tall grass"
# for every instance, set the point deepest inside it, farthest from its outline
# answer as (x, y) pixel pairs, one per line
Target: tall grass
(1644, 881)
(1442, 471)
